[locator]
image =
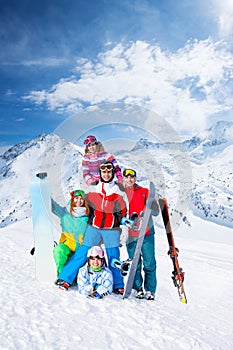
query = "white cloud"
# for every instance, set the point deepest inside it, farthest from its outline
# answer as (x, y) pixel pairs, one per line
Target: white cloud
(186, 87)
(45, 62)
(225, 17)
(9, 92)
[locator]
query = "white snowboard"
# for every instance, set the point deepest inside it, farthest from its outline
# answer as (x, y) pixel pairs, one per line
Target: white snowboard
(42, 228)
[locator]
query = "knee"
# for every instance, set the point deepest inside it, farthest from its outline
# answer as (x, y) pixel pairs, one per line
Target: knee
(150, 265)
(61, 249)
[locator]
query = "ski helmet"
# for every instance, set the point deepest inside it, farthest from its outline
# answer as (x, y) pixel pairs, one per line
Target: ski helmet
(95, 251)
(90, 139)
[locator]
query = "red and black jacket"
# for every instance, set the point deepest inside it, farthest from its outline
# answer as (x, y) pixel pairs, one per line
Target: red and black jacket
(106, 211)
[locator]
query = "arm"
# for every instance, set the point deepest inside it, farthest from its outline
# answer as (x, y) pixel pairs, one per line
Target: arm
(120, 210)
(117, 168)
(106, 285)
(84, 283)
(57, 209)
(87, 176)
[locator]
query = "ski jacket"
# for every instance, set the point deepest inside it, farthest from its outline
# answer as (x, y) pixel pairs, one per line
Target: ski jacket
(91, 163)
(74, 225)
(137, 197)
(108, 205)
(87, 278)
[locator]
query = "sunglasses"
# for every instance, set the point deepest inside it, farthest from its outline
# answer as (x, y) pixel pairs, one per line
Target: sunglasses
(77, 193)
(129, 172)
(106, 167)
(91, 144)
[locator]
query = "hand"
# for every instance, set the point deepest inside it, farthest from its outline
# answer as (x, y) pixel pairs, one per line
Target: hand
(121, 186)
(93, 180)
(80, 239)
(94, 183)
(101, 291)
(126, 222)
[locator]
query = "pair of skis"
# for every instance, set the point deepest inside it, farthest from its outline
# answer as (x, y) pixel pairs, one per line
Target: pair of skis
(177, 273)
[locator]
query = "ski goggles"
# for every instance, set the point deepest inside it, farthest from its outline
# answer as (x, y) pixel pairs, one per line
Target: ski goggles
(106, 167)
(90, 140)
(95, 253)
(129, 172)
(77, 193)
(95, 257)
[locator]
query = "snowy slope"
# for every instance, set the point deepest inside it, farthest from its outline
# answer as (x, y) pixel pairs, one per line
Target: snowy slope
(41, 316)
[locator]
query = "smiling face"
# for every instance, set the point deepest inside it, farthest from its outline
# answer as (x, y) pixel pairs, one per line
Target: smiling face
(129, 180)
(91, 147)
(78, 201)
(95, 262)
(106, 175)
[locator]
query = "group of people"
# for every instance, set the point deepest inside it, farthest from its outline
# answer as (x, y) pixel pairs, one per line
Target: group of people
(97, 217)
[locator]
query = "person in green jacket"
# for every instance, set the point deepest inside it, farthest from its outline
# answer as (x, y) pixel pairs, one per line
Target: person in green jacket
(73, 224)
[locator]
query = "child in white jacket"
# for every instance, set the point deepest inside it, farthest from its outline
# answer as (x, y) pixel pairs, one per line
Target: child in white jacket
(94, 278)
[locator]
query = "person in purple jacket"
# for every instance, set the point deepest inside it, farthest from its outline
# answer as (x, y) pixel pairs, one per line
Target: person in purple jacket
(95, 155)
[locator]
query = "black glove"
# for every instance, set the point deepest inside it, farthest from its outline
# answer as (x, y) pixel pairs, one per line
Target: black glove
(94, 183)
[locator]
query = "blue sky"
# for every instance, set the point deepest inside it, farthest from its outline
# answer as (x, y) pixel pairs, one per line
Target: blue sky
(60, 57)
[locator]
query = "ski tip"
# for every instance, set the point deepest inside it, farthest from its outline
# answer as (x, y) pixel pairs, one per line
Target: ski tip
(42, 175)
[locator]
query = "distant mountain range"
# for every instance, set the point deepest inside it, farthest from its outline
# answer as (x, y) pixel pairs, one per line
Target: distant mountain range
(198, 172)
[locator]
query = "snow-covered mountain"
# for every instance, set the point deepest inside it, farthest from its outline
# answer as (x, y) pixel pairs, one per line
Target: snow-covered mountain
(20, 163)
(211, 142)
(196, 173)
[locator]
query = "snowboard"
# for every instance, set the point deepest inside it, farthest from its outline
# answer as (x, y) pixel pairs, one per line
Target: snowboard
(45, 268)
(144, 223)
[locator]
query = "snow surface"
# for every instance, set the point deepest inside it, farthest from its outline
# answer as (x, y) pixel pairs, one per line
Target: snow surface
(41, 316)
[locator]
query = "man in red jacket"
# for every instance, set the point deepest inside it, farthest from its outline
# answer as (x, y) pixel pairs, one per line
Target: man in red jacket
(137, 197)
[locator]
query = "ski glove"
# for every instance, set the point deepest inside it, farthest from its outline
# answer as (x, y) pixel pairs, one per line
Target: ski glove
(126, 222)
(133, 222)
(80, 239)
(93, 180)
(101, 291)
